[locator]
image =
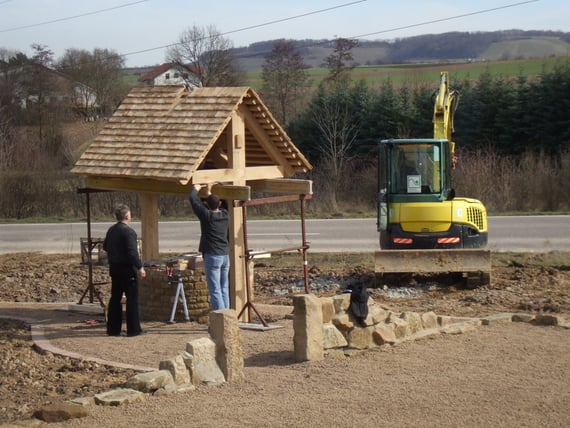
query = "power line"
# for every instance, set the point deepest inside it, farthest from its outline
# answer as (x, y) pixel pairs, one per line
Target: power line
(255, 26)
(434, 21)
(71, 17)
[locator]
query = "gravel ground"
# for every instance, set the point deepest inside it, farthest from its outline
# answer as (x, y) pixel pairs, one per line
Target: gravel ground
(510, 375)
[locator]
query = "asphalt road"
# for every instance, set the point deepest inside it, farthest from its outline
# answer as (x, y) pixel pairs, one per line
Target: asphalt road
(513, 233)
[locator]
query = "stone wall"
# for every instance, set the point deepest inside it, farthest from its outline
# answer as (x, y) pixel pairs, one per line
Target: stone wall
(157, 292)
(325, 327)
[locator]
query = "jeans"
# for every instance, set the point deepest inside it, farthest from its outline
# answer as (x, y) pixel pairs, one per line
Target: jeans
(217, 277)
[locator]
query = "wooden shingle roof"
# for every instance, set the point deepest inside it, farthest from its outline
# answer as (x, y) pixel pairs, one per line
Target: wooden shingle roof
(167, 133)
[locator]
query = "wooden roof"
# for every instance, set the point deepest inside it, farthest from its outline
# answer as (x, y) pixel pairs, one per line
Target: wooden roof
(168, 133)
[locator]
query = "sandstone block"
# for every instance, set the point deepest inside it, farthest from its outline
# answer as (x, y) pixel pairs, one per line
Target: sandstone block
(229, 345)
(308, 328)
(332, 337)
(384, 334)
(118, 397)
(177, 369)
(150, 381)
(61, 412)
(328, 309)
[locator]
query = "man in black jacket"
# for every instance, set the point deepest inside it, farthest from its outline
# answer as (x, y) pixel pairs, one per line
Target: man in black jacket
(125, 264)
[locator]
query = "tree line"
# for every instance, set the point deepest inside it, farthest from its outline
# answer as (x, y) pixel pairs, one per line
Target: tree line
(512, 134)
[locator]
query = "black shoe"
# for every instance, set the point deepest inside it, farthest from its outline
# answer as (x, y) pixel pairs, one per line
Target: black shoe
(140, 333)
(113, 334)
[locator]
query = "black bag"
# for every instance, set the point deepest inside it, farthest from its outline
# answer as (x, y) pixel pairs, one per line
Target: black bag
(359, 303)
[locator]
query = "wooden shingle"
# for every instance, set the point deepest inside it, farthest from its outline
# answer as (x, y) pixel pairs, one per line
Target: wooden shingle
(167, 133)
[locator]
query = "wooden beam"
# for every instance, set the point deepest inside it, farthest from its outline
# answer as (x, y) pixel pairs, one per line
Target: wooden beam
(149, 226)
(228, 175)
(283, 185)
(135, 185)
(224, 191)
(239, 193)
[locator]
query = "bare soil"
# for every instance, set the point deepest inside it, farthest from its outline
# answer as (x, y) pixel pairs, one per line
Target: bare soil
(508, 375)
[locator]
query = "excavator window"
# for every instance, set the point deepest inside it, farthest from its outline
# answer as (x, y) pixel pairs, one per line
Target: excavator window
(416, 169)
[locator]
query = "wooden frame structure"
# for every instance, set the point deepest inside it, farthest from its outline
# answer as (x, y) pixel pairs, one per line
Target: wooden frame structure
(162, 140)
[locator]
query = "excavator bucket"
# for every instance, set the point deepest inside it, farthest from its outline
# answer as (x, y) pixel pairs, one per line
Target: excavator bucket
(475, 264)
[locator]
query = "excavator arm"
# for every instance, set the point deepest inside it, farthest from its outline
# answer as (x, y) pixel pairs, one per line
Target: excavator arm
(445, 105)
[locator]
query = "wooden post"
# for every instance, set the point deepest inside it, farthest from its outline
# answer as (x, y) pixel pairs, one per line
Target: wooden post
(236, 162)
(149, 225)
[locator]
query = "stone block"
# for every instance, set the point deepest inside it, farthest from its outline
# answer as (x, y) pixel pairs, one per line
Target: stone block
(361, 338)
(177, 368)
(502, 318)
(332, 337)
(150, 381)
(429, 320)
(384, 334)
(203, 365)
(341, 302)
(547, 319)
(343, 321)
(119, 397)
(328, 309)
(308, 328)
(60, 412)
(229, 345)
(414, 321)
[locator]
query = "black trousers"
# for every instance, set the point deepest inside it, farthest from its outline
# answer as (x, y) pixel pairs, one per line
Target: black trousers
(123, 281)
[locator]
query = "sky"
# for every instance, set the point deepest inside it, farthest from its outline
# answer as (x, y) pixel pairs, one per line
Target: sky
(141, 30)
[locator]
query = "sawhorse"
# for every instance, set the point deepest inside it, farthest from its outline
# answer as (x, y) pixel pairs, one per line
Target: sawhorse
(179, 294)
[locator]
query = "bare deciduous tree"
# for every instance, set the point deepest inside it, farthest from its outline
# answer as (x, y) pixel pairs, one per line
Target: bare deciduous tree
(283, 77)
(338, 129)
(208, 55)
(99, 72)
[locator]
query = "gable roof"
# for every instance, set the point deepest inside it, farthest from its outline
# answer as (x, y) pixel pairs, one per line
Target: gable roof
(168, 132)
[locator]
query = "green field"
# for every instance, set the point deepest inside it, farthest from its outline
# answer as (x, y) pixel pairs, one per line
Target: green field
(422, 73)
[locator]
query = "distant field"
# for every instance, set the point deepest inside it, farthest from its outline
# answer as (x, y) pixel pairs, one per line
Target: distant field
(422, 73)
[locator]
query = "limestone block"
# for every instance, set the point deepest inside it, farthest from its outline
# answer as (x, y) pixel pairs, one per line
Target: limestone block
(361, 338)
(429, 320)
(341, 302)
(414, 321)
(328, 309)
(547, 319)
(118, 397)
(308, 328)
(384, 334)
(150, 381)
(60, 412)
(204, 367)
(377, 314)
(343, 322)
(332, 337)
(502, 318)
(177, 369)
(229, 345)
(444, 320)
(460, 328)
(523, 317)
(400, 326)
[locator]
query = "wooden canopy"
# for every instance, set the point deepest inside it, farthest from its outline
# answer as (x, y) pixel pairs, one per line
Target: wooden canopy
(162, 138)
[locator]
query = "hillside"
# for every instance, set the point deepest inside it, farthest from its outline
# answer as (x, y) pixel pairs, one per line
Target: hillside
(455, 46)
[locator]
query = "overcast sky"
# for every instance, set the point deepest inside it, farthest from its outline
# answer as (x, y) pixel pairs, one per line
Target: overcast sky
(130, 27)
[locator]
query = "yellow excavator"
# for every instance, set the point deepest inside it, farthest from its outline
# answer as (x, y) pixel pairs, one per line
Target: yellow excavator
(424, 228)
